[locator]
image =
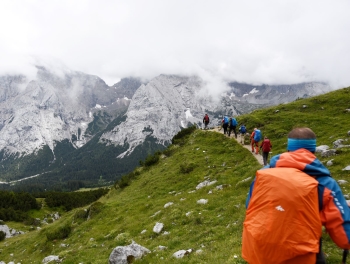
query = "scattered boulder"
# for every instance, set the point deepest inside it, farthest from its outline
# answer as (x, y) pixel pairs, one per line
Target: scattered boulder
(322, 148)
(168, 204)
(328, 153)
(127, 254)
(339, 144)
(205, 183)
(6, 230)
(330, 162)
(202, 201)
(51, 258)
(347, 167)
(162, 247)
(158, 228)
(182, 253)
(342, 181)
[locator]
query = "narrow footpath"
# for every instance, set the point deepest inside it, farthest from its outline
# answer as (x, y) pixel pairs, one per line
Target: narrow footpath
(238, 139)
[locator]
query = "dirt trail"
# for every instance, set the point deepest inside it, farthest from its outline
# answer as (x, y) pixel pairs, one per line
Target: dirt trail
(238, 139)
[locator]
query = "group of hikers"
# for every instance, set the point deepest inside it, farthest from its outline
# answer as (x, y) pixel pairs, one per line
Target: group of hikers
(229, 125)
(289, 201)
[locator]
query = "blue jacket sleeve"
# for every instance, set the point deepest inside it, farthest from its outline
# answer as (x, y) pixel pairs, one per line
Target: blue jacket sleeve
(249, 194)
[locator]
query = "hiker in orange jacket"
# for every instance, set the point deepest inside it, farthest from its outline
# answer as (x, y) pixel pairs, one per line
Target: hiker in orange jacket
(271, 234)
(255, 137)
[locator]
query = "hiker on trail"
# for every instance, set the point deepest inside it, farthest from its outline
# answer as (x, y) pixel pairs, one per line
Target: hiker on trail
(255, 137)
(288, 202)
(206, 121)
(242, 130)
(232, 126)
(266, 148)
(225, 122)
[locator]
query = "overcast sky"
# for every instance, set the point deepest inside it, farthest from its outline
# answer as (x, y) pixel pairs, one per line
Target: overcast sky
(269, 41)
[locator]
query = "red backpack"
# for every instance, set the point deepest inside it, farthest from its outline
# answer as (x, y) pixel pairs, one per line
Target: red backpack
(266, 145)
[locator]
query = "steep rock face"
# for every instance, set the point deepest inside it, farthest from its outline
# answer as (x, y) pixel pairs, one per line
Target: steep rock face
(160, 109)
(51, 108)
(275, 94)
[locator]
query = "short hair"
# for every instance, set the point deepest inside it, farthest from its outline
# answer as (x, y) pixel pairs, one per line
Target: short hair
(302, 133)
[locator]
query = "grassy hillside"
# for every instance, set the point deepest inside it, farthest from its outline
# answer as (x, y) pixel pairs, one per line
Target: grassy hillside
(214, 227)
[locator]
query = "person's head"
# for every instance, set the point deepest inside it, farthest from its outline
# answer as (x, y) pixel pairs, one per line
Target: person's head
(301, 137)
(255, 128)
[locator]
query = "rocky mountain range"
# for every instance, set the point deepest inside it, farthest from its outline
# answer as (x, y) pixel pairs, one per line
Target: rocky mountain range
(72, 126)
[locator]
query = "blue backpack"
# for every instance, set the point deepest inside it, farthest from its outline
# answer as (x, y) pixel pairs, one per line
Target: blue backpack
(233, 122)
(225, 120)
(257, 135)
(242, 129)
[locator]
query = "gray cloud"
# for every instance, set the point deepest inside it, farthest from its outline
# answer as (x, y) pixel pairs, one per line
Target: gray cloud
(271, 41)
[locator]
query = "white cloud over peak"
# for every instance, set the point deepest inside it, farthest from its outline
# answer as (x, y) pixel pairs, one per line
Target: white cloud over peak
(272, 41)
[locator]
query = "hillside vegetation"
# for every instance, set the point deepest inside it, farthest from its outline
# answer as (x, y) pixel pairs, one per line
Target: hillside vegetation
(89, 234)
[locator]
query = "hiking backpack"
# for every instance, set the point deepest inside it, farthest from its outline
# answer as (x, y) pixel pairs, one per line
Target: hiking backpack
(242, 129)
(206, 118)
(233, 122)
(225, 120)
(282, 220)
(266, 145)
(257, 135)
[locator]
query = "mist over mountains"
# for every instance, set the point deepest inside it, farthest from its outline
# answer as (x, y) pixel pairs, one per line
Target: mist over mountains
(72, 127)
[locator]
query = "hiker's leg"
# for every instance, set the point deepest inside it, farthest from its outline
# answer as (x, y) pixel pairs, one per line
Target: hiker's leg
(320, 257)
(234, 131)
(265, 157)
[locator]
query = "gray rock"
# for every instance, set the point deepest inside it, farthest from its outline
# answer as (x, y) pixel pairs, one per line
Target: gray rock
(182, 253)
(205, 183)
(202, 201)
(158, 228)
(322, 148)
(342, 181)
(328, 153)
(347, 168)
(51, 258)
(6, 230)
(330, 162)
(127, 254)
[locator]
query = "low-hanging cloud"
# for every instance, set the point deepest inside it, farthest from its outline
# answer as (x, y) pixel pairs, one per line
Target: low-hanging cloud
(256, 42)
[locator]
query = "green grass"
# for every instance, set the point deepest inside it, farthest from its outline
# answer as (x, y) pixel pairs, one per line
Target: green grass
(216, 227)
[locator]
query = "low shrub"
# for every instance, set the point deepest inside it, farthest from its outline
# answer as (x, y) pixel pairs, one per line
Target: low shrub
(2, 235)
(59, 233)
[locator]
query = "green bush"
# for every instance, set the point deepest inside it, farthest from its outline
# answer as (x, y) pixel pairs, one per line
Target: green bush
(2, 235)
(59, 233)
(182, 134)
(95, 208)
(81, 215)
(125, 180)
(187, 167)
